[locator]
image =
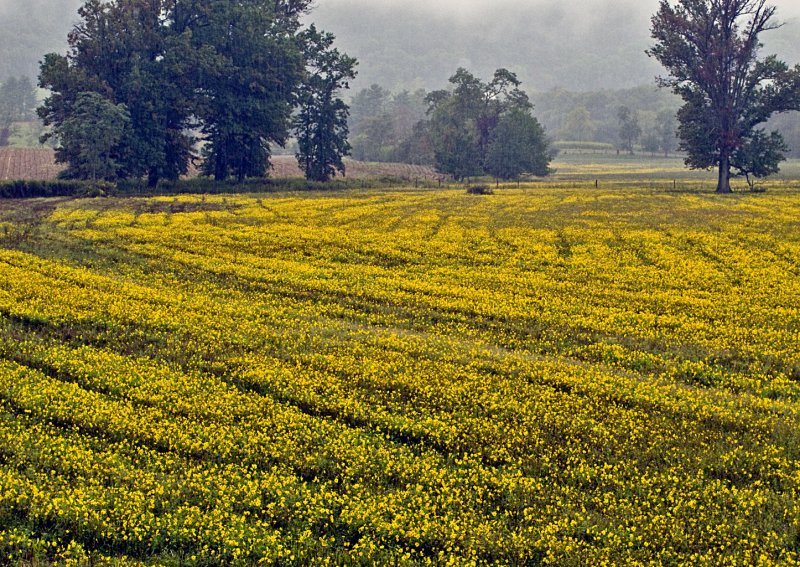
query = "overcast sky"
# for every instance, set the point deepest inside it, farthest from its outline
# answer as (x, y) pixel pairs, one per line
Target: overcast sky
(575, 8)
(577, 44)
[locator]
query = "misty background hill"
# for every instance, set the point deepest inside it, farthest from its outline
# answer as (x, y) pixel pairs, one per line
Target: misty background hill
(408, 44)
(581, 45)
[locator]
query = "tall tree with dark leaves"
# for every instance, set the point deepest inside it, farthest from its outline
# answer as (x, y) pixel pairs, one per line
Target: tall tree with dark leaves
(127, 52)
(711, 50)
(518, 145)
(246, 80)
(321, 121)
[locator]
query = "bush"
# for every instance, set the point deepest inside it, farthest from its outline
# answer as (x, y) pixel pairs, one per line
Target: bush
(480, 190)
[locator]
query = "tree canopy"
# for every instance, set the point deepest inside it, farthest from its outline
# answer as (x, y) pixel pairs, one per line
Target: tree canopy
(465, 130)
(711, 50)
(321, 121)
(231, 72)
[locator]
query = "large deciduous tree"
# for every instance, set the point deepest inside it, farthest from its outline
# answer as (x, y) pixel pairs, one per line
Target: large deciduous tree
(231, 71)
(126, 52)
(247, 80)
(711, 50)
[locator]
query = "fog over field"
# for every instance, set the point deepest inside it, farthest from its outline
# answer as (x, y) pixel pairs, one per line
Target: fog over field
(406, 44)
(575, 44)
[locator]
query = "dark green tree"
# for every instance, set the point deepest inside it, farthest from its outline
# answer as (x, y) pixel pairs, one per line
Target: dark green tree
(518, 146)
(711, 50)
(231, 71)
(92, 133)
(246, 80)
(321, 121)
(759, 155)
(127, 52)
(462, 121)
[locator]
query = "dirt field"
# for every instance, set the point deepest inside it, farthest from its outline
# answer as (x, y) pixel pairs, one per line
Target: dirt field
(17, 163)
(27, 163)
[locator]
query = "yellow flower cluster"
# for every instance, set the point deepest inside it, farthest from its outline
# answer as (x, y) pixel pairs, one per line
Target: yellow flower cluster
(543, 376)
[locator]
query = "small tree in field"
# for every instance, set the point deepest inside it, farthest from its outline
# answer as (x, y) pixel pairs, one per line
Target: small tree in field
(711, 50)
(518, 146)
(90, 135)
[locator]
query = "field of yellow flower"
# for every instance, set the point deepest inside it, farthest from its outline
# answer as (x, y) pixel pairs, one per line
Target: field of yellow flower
(543, 376)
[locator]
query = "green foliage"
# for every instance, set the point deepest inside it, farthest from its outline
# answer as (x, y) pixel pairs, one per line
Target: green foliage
(759, 156)
(418, 147)
(629, 129)
(61, 188)
(91, 135)
(231, 71)
(127, 52)
(321, 121)
(711, 50)
(518, 146)
(463, 124)
(249, 67)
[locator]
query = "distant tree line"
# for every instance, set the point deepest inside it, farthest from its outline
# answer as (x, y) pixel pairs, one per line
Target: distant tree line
(145, 80)
(388, 127)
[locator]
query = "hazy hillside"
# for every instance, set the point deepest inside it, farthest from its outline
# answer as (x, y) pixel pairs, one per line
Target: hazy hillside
(591, 45)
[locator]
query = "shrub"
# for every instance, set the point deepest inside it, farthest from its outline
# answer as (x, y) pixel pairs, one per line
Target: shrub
(480, 190)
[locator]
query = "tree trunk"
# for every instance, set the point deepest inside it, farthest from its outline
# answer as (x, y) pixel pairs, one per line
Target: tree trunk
(152, 178)
(724, 182)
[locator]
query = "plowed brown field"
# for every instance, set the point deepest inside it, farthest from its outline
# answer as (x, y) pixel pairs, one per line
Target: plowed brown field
(18, 163)
(27, 163)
